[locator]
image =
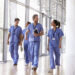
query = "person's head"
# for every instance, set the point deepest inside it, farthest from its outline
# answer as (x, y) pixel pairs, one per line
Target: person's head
(16, 21)
(55, 23)
(27, 24)
(35, 18)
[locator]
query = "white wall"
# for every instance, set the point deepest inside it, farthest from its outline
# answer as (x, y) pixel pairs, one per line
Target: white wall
(69, 56)
(1, 12)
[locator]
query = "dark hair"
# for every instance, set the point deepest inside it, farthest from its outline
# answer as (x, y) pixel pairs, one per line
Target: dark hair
(28, 22)
(57, 23)
(34, 16)
(17, 19)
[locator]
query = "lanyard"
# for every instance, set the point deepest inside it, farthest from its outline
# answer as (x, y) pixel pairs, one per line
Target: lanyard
(54, 33)
(15, 29)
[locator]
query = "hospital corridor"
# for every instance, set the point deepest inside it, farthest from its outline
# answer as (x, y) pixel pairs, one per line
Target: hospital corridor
(37, 37)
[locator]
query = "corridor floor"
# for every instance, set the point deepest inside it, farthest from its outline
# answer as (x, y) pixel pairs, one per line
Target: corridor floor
(21, 69)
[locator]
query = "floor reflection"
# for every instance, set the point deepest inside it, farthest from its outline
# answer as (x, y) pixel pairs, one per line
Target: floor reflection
(9, 69)
(13, 70)
(34, 73)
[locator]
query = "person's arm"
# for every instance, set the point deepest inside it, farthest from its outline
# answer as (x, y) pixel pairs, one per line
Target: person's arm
(26, 34)
(22, 37)
(20, 43)
(60, 41)
(8, 38)
(39, 34)
(48, 44)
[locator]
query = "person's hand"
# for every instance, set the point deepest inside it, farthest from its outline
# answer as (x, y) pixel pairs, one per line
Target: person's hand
(48, 48)
(26, 38)
(59, 45)
(8, 42)
(20, 43)
(35, 34)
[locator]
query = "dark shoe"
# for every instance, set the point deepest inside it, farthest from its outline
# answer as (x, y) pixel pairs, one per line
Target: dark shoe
(34, 68)
(15, 64)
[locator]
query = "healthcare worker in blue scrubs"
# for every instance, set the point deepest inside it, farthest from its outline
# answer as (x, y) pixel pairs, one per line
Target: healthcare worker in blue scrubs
(35, 30)
(15, 34)
(54, 44)
(26, 44)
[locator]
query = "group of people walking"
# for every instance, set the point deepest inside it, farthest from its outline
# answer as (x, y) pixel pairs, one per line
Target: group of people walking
(31, 36)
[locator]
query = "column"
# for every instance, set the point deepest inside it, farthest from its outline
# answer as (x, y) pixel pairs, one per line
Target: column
(69, 56)
(5, 31)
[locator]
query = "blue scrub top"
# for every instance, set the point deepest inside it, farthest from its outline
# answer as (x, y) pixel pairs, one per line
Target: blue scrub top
(31, 28)
(55, 36)
(23, 32)
(15, 33)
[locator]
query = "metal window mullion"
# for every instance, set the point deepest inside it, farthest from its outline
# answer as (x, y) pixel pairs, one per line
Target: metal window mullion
(4, 32)
(41, 21)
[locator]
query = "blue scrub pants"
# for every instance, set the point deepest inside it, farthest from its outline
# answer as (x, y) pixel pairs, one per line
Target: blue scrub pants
(34, 52)
(14, 52)
(54, 51)
(26, 53)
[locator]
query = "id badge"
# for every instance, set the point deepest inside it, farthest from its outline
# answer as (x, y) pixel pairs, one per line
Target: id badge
(53, 38)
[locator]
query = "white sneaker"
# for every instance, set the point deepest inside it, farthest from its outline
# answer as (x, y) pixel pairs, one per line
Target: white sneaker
(26, 64)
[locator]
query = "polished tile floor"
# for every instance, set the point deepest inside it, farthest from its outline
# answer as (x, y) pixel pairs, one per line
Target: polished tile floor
(21, 69)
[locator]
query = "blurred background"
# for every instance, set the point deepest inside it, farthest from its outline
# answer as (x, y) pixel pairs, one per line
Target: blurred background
(62, 10)
(25, 9)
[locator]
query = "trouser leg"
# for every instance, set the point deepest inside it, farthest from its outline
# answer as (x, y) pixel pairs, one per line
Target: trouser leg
(57, 56)
(16, 56)
(36, 53)
(26, 53)
(11, 49)
(52, 62)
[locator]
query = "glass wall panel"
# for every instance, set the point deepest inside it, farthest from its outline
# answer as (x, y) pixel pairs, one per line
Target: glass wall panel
(59, 13)
(21, 15)
(35, 4)
(31, 13)
(22, 1)
(12, 12)
(53, 9)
